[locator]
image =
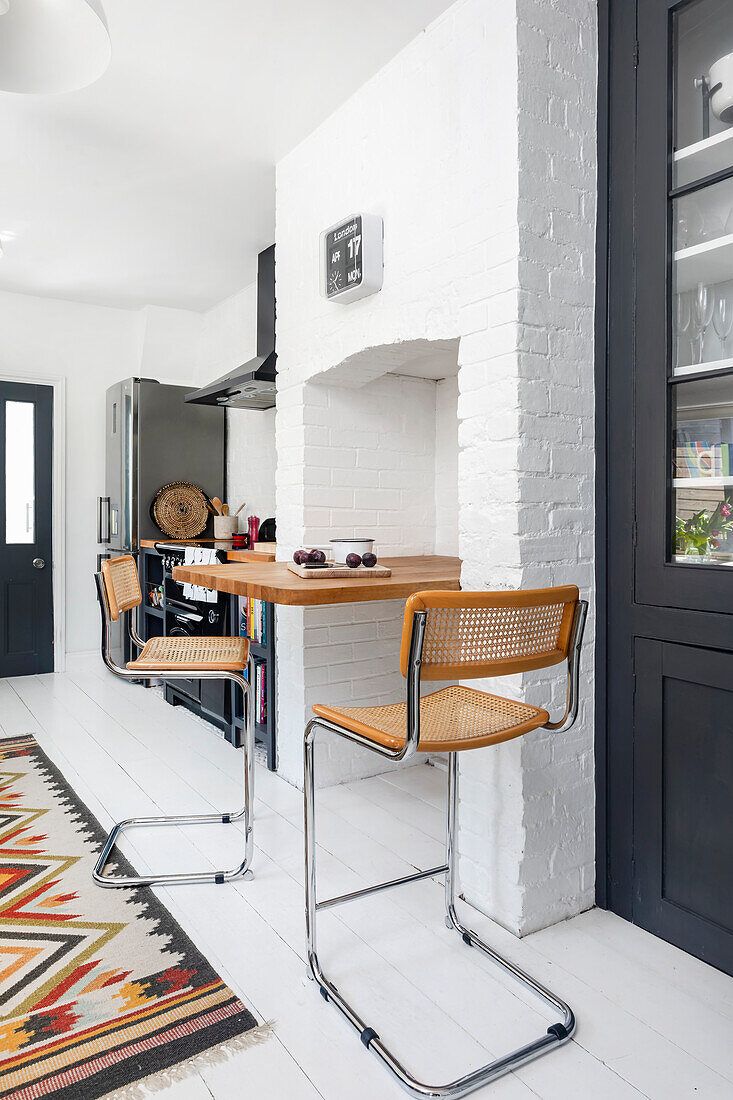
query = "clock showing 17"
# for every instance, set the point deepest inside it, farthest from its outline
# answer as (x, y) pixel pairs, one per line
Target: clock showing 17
(351, 258)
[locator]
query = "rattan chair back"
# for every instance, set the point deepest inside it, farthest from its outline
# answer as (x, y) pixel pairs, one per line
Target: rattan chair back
(121, 585)
(472, 634)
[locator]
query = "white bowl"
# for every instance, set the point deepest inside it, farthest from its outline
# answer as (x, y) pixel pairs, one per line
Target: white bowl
(342, 547)
(721, 72)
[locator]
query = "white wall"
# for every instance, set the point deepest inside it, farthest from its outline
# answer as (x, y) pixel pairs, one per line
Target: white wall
(425, 154)
(446, 467)
(228, 339)
(476, 145)
(364, 462)
(91, 347)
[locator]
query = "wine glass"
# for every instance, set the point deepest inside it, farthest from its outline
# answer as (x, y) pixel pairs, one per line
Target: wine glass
(722, 319)
(702, 314)
(712, 228)
(683, 320)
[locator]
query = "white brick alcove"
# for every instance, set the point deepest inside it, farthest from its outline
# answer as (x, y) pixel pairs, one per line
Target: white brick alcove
(476, 145)
(362, 452)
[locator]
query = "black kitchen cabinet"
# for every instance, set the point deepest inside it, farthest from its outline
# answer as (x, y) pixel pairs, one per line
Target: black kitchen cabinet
(165, 611)
(665, 476)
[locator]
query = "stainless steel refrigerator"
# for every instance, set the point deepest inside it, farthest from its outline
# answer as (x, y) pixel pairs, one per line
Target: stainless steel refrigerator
(153, 437)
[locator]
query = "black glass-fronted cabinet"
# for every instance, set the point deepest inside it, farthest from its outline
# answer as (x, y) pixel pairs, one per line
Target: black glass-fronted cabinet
(665, 729)
(685, 305)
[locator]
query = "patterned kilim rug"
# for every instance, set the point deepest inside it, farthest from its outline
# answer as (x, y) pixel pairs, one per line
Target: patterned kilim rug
(99, 989)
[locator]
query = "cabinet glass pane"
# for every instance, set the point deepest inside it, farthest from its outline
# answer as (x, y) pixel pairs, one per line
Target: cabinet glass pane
(20, 517)
(702, 279)
(702, 475)
(703, 90)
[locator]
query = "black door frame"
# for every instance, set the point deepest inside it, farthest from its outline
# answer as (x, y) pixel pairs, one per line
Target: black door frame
(620, 619)
(58, 519)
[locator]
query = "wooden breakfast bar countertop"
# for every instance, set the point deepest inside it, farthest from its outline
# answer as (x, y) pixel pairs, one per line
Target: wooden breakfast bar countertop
(274, 583)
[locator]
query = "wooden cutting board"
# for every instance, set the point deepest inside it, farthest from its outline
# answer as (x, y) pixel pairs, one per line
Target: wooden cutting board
(331, 571)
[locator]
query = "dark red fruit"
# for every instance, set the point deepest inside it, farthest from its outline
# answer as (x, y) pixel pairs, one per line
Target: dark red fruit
(369, 560)
(317, 556)
(300, 556)
(353, 560)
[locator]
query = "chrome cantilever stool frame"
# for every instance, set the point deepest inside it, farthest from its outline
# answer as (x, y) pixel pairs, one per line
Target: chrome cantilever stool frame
(417, 612)
(246, 812)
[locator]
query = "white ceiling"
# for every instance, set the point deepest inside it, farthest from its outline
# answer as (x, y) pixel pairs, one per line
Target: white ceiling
(156, 184)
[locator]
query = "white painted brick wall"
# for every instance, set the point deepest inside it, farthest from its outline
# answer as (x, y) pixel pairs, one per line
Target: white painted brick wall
(492, 151)
(540, 426)
(251, 462)
(446, 467)
(429, 169)
(370, 459)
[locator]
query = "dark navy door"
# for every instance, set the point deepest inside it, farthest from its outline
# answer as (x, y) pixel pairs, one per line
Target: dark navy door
(26, 588)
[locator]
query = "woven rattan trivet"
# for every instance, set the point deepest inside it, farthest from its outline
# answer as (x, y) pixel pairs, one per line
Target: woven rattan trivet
(180, 510)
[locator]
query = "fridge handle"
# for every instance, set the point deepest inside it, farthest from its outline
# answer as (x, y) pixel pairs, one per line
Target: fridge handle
(103, 536)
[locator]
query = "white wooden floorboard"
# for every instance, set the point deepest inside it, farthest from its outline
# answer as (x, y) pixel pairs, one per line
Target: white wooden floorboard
(652, 1021)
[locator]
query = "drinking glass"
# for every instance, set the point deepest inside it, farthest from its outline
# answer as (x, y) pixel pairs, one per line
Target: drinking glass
(723, 319)
(702, 314)
(683, 320)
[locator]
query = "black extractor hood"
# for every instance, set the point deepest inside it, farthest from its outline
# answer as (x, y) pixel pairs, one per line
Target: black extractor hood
(251, 386)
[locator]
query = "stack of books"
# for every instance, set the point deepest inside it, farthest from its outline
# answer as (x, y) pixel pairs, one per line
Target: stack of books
(260, 692)
(253, 625)
(703, 459)
(703, 448)
(252, 620)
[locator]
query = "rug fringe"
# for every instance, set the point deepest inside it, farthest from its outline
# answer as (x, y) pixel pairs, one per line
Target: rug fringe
(157, 1082)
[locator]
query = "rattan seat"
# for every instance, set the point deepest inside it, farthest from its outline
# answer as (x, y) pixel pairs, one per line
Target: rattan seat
(194, 653)
(451, 719)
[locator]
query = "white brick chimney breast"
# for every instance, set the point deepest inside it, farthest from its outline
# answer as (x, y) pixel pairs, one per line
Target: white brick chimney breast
(477, 146)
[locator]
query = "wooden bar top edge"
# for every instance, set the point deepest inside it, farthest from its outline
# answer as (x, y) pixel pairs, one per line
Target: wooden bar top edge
(274, 583)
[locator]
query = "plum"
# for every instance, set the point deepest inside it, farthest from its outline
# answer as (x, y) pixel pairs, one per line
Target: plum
(317, 556)
(300, 557)
(369, 560)
(353, 561)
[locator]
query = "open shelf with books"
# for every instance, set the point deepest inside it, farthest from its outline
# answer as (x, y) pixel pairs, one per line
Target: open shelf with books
(256, 620)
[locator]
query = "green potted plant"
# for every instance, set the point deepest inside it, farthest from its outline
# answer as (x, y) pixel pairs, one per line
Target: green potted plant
(702, 533)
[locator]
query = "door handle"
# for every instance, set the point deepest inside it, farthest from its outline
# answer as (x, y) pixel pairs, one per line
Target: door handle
(103, 535)
(39, 563)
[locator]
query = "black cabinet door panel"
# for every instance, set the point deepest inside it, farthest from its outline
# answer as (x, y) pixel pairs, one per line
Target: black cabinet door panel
(683, 797)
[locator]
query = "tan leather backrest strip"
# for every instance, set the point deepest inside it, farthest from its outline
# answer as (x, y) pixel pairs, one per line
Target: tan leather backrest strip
(472, 634)
(121, 585)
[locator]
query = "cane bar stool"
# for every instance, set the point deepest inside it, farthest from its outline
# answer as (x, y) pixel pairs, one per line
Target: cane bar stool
(454, 636)
(197, 658)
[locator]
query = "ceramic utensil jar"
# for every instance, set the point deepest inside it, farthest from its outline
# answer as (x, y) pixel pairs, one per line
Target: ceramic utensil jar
(225, 526)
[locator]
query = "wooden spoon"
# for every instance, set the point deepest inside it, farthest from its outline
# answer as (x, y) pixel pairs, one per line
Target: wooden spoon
(217, 504)
(241, 506)
(225, 509)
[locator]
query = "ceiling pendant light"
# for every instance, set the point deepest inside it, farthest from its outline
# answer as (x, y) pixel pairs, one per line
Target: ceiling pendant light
(52, 45)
